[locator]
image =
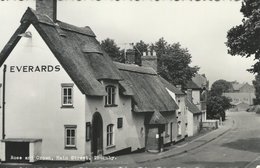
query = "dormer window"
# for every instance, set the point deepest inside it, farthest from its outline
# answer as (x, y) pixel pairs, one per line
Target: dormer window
(110, 97)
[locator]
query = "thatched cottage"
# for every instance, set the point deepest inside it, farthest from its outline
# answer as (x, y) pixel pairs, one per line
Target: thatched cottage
(64, 99)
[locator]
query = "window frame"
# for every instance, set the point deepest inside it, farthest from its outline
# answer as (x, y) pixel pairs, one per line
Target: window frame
(110, 97)
(67, 86)
(110, 135)
(66, 145)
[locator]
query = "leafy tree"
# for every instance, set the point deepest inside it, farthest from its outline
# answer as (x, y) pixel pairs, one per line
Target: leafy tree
(173, 62)
(111, 48)
(216, 107)
(256, 84)
(220, 86)
(141, 47)
(243, 39)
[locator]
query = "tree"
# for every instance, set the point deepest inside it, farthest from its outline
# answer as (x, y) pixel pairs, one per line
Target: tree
(219, 87)
(216, 107)
(244, 39)
(111, 48)
(256, 84)
(141, 47)
(174, 62)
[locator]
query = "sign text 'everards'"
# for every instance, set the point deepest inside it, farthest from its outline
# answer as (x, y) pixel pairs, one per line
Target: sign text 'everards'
(38, 68)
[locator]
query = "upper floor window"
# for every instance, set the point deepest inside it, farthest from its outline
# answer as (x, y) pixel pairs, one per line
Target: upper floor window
(67, 95)
(110, 97)
(110, 135)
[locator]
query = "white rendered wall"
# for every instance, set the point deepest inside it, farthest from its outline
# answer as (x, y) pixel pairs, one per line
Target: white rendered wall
(196, 97)
(33, 100)
(130, 135)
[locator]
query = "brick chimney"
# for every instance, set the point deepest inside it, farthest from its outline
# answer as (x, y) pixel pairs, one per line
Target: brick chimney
(48, 7)
(150, 60)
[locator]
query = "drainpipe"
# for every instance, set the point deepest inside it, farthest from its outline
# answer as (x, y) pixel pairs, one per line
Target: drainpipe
(3, 117)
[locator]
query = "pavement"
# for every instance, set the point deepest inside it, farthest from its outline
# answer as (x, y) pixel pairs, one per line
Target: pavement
(178, 149)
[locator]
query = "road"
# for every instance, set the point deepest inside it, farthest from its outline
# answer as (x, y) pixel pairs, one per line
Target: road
(237, 148)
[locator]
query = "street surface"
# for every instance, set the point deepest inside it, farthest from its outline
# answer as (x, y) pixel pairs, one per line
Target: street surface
(237, 148)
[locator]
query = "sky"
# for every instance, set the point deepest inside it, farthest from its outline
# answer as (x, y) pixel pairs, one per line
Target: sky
(199, 26)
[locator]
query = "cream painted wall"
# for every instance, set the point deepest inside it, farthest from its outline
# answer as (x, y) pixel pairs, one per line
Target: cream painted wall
(196, 97)
(33, 100)
(190, 123)
(130, 134)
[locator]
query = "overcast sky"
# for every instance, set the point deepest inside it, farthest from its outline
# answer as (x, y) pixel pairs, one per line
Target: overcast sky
(199, 26)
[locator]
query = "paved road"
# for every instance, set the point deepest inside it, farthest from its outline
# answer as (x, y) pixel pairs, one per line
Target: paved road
(237, 148)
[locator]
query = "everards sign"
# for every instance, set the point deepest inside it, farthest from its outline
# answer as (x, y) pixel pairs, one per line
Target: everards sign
(37, 68)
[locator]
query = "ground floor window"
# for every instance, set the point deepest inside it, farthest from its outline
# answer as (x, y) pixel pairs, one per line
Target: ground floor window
(179, 128)
(70, 136)
(110, 135)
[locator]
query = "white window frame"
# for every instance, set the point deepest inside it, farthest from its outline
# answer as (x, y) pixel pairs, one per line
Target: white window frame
(69, 144)
(110, 98)
(110, 135)
(66, 86)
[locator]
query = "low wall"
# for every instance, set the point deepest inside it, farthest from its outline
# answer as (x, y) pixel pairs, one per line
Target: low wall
(210, 124)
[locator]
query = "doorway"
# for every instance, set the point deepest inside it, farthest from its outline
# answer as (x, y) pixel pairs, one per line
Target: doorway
(97, 135)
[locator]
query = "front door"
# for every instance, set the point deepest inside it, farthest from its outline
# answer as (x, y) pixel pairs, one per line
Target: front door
(97, 135)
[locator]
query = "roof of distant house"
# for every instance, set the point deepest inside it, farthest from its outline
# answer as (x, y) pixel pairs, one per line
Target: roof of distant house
(192, 107)
(192, 85)
(201, 80)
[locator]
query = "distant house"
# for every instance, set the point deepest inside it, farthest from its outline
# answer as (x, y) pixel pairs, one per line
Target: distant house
(64, 98)
(242, 96)
(194, 118)
(197, 96)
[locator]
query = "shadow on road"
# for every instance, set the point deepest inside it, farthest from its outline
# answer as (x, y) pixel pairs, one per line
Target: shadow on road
(250, 144)
(217, 164)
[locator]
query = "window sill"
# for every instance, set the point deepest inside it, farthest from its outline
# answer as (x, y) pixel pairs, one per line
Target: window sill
(179, 135)
(111, 146)
(67, 106)
(70, 148)
(111, 105)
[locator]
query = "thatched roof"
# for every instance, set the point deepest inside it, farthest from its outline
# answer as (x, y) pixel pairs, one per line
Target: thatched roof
(171, 87)
(192, 107)
(76, 49)
(149, 93)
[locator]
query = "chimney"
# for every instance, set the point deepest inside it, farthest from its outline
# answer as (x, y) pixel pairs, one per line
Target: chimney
(130, 56)
(189, 95)
(48, 7)
(150, 60)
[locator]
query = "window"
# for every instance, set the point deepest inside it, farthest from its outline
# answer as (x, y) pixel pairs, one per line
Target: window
(70, 136)
(119, 122)
(88, 129)
(67, 95)
(110, 138)
(179, 128)
(166, 130)
(110, 97)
